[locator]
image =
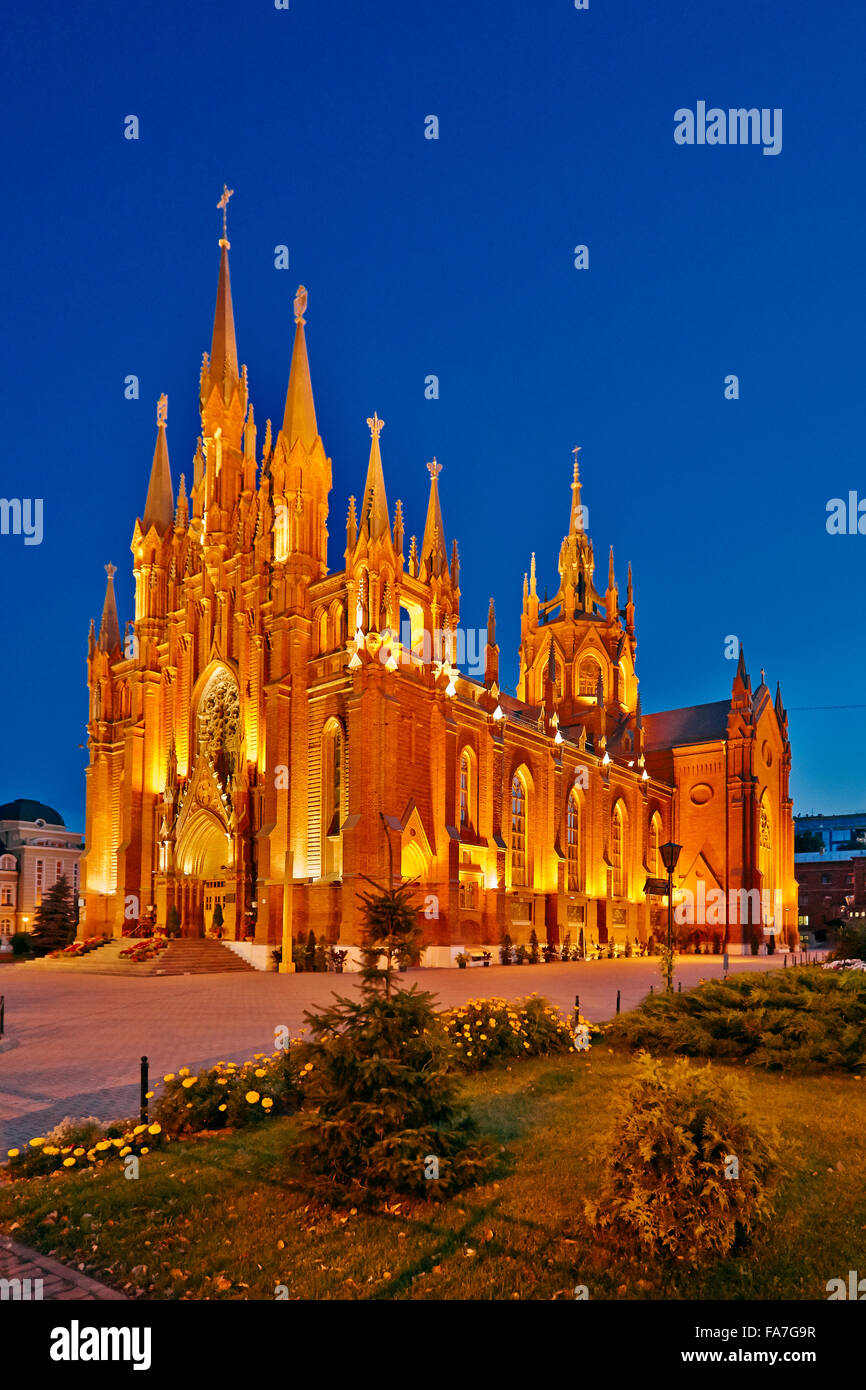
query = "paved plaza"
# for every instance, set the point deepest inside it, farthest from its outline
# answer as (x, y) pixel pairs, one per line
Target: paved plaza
(74, 1042)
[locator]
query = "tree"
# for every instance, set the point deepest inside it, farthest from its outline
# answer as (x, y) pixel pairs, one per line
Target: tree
(533, 948)
(809, 842)
(385, 1117)
(310, 952)
(172, 922)
(217, 920)
(56, 917)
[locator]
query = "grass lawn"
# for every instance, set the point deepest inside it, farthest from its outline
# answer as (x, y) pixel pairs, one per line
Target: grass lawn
(225, 1218)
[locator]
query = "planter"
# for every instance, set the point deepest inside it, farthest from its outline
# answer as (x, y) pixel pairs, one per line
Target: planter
(461, 965)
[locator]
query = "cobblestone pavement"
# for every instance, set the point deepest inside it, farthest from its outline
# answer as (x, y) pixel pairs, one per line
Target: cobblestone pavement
(58, 1281)
(74, 1042)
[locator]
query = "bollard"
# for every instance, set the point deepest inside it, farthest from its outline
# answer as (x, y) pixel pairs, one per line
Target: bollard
(652, 989)
(680, 987)
(144, 1090)
(617, 1000)
(577, 1005)
(2, 1012)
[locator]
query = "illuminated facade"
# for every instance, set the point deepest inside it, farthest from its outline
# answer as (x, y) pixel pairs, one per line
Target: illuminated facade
(272, 730)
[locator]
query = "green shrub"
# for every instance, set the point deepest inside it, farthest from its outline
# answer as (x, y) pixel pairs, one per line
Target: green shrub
(805, 1018)
(669, 1186)
(21, 943)
(385, 1103)
(851, 943)
(533, 948)
(505, 949)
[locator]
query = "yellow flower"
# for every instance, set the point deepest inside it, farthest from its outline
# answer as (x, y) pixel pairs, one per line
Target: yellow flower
(103, 1144)
(12, 1153)
(50, 1150)
(148, 1095)
(34, 1143)
(170, 1077)
(189, 1081)
(222, 1081)
(78, 1152)
(118, 1143)
(222, 1107)
(145, 1151)
(68, 1162)
(124, 1152)
(184, 1071)
(154, 1129)
(252, 1097)
(483, 1037)
(267, 1103)
(139, 1129)
(260, 1071)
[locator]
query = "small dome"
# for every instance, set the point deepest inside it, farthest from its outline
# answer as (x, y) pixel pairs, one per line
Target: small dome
(24, 809)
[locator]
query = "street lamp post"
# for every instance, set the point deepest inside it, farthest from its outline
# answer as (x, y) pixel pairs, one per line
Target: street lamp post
(670, 853)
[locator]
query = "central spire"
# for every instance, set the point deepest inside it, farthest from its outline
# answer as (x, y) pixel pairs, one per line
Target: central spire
(299, 419)
(375, 522)
(224, 352)
(576, 523)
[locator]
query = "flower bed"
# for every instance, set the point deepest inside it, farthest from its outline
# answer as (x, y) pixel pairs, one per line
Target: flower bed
(79, 948)
(485, 1031)
(144, 950)
(234, 1095)
(83, 1144)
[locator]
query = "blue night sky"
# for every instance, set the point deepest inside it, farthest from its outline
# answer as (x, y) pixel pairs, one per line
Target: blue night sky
(454, 257)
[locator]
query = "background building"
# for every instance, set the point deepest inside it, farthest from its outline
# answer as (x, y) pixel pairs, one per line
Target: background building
(36, 849)
(272, 733)
(830, 865)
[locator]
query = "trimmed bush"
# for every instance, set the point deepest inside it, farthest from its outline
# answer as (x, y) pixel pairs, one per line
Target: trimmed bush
(21, 943)
(231, 1095)
(685, 1173)
(804, 1018)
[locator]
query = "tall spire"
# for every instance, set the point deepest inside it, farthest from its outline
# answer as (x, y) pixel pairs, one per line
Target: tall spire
(159, 507)
(299, 419)
(433, 551)
(576, 523)
(374, 508)
(224, 352)
(109, 628)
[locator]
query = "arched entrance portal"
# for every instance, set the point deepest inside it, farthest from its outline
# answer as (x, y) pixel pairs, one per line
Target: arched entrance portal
(203, 863)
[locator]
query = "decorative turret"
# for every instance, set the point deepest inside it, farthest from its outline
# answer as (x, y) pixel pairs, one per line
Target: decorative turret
(109, 628)
(491, 655)
(159, 507)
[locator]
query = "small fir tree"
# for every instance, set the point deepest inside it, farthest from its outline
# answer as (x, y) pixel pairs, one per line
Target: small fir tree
(172, 922)
(533, 948)
(56, 917)
(385, 1118)
(217, 920)
(310, 951)
(505, 949)
(321, 955)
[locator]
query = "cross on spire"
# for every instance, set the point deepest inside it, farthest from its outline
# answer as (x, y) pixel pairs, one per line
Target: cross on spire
(576, 450)
(301, 305)
(111, 570)
(162, 409)
(434, 469)
(376, 425)
(223, 203)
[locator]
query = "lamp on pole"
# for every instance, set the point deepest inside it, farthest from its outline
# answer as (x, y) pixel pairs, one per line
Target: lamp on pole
(670, 853)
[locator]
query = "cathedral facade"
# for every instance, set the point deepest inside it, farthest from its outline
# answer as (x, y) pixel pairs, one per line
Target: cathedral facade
(271, 732)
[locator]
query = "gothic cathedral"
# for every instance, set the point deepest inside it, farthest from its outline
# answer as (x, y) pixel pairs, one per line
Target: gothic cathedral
(270, 732)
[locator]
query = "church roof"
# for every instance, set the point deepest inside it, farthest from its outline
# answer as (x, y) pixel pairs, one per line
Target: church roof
(27, 810)
(693, 724)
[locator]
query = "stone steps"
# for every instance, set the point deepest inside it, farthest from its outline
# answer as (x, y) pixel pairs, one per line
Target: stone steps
(193, 957)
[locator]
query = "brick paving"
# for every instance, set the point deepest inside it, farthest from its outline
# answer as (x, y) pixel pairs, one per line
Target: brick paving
(74, 1041)
(58, 1281)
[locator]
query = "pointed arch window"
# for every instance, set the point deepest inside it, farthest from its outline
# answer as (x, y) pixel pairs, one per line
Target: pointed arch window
(572, 843)
(588, 677)
(518, 832)
(653, 858)
(333, 794)
(466, 793)
(617, 847)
